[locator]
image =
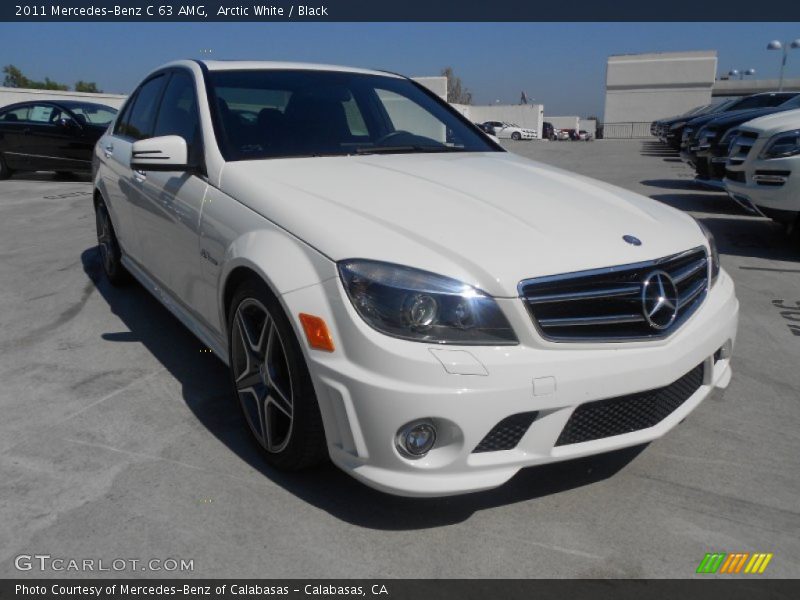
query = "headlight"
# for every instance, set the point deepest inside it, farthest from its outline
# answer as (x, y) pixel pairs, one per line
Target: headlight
(714, 254)
(420, 306)
(782, 145)
(729, 135)
(677, 125)
(706, 135)
(727, 140)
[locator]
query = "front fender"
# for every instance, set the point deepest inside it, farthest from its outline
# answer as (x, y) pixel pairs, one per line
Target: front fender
(282, 261)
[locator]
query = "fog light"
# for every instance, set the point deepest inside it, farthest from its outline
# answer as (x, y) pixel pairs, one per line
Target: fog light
(416, 439)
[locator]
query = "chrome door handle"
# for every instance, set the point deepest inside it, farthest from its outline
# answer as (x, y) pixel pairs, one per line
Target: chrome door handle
(139, 176)
(109, 148)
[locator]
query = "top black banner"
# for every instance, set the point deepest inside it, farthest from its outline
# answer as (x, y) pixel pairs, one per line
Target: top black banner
(401, 10)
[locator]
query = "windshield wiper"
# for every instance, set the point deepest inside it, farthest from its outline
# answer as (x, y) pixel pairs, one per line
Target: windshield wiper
(406, 149)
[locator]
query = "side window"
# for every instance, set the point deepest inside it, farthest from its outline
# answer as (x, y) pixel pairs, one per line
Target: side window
(43, 114)
(178, 112)
(121, 125)
(143, 114)
(15, 115)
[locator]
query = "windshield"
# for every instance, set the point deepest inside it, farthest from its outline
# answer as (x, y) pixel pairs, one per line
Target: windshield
(285, 113)
(793, 103)
(721, 107)
(94, 114)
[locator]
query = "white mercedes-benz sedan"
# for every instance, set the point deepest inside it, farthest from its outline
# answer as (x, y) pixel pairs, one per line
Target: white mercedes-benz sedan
(393, 290)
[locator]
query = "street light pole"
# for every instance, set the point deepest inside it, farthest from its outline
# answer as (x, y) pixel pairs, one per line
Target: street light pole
(784, 47)
(740, 73)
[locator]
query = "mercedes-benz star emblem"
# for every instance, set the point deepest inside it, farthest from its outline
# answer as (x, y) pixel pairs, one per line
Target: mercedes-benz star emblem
(632, 240)
(659, 300)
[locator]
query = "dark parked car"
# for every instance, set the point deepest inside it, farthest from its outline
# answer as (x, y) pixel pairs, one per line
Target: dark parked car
(663, 130)
(548, 131)
(51, 136)
(710, 152)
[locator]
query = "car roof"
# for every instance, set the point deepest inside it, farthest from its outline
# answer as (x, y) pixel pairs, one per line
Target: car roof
(72, 103)
(64, 103)
(249, 65)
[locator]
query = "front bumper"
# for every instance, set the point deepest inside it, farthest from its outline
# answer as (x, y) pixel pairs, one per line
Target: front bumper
(374, 384)
(769, 186)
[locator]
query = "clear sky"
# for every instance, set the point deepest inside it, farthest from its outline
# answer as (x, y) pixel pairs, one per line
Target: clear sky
(559, 64)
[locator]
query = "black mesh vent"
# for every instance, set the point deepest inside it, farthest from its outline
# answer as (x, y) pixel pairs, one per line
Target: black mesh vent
(507, 433)
(615, 416)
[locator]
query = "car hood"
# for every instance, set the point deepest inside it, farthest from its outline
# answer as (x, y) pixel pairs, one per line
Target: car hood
(488, 219)
(775, 123)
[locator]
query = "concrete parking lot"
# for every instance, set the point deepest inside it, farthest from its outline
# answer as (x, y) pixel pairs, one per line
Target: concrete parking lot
(119, 439)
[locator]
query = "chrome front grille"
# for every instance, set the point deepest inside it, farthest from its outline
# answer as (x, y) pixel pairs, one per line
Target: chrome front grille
(612, 304)
(741, 147)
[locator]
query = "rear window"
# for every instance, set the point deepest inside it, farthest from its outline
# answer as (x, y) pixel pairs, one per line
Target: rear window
(16, 114)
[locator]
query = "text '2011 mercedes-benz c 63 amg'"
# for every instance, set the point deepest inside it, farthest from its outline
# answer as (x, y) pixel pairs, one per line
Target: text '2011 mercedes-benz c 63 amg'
(393, 290)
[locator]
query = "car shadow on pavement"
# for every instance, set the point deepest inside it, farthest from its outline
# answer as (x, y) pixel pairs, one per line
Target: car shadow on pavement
(753, 237)
(674, 184)
(708, 202)
(50, 176)
(205, 388)
(736, 231)
(657, 149)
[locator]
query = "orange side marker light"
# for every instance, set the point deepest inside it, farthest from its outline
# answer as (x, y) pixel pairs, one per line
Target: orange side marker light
(317, 332)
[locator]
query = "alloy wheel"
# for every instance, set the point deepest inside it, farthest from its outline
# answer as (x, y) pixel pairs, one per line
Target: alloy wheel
(104, 238)
(262, 375)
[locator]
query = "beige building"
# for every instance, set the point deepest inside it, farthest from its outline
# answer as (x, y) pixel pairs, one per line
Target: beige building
(14, 95)
(641, 88)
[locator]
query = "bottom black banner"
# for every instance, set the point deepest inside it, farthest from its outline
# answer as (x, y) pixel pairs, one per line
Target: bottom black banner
(413, 589)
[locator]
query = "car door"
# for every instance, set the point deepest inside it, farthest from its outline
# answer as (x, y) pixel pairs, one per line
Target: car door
(76, 139)
(115, 152)
(12, 122)
(171, 202)
(43, 138)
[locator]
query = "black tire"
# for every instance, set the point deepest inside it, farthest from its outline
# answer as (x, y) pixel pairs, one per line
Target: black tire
(516, 136)
(5, 172)
(792, 230)
(108, 246)
(289, 442)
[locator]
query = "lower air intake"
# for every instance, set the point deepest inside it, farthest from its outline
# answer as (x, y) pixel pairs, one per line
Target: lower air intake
(507, 433)
(624, 414)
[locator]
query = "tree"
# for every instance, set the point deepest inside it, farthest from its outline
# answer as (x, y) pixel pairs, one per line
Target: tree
(49, 84)
(14, 78)
(87, 86)
(456, 93)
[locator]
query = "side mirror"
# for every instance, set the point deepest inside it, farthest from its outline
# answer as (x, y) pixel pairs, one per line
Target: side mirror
(166, 153)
